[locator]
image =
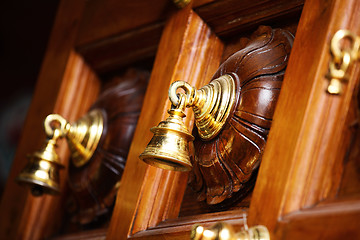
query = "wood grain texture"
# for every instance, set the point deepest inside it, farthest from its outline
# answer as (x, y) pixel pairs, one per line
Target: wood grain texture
(38, 219)
(302, 163)
(79, 89)
(104, 19)
(189, 51)
(18, 214)
(350, 180)
(98, 234)
(123, 49)
(223, 166)
(231, 16)
(337, 220)
(180, 228)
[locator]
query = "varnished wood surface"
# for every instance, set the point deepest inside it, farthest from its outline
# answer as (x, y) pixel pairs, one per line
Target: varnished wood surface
(229, 17)
(34, 223)
(93, 186)
(350, 181)
(332, 221)
(98, 234)
(79, 89)
(104, 19)
(187, 51)
(180, 228)
(111, 41)
(19, 213)
(124, 49)
(302, 163)
(224, 167)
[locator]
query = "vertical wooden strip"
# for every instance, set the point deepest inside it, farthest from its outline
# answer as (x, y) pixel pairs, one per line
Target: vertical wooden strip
(78, 91)
(19, 210)
(188, 51)
(308, 123)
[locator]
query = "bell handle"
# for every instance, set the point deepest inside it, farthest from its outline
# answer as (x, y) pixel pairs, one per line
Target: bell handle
(61, 128)
(190, 92)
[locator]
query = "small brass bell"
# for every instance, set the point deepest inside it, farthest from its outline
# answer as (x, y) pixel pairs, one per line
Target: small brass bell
(224, 231)
(42, 171)
(169, 147)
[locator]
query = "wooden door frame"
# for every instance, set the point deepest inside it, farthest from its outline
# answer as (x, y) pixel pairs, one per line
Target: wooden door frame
(302, 163)
(22, 214)
(299, 161)
(148, 196)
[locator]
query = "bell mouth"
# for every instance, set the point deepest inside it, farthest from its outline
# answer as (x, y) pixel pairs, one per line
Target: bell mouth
(167, 162)
(38, 187)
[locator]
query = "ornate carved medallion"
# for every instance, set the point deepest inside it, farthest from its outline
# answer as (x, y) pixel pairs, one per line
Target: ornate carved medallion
(225, 167)
(94, 185)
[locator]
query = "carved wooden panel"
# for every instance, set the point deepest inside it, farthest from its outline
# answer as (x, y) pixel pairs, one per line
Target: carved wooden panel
(93, 187)
(225, 167)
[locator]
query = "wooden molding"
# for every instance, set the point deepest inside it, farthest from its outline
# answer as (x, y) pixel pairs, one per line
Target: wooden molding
(189, 51)
(231, 16)
(301, 165)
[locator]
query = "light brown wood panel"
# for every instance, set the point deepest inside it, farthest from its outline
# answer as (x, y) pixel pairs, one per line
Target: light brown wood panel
(104, 19)
(180, 228)
(332, 221)
(230, 17)
(187, 51)
(18, 215)
(78, 91)
(98, 234)
(302, 163)
(123, 49)
(296, 193)
(80, 86)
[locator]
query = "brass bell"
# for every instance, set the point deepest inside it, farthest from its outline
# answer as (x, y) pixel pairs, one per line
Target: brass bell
(42, 171)
(224, 231)
(169, 147)
(83, 136)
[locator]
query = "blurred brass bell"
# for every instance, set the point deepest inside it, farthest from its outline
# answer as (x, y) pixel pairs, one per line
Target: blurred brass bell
(83, 136)
(42, 171)
(169, 147)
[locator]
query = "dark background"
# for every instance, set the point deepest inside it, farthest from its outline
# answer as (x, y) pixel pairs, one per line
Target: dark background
(25, 27)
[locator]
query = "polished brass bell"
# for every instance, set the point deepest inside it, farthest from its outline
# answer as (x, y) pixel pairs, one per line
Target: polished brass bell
(169, 147)
(42, 171)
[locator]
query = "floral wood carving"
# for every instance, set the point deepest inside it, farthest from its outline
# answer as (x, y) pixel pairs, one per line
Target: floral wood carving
(93, 186)
(224, 168)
